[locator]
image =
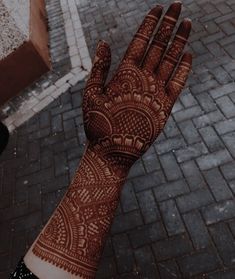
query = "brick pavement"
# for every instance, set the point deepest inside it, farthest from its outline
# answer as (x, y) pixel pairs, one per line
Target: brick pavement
(176, 218)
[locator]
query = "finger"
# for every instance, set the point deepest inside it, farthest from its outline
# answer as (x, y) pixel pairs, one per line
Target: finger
(138, 45)
(101, 65)
(98, 75)
(179, 78)
(174, 53)
(162, 37)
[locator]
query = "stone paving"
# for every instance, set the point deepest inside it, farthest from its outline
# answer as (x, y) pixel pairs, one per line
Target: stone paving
(176, 218)
(70, 61)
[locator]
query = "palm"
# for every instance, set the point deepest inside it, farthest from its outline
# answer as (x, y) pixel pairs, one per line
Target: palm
(127, 114)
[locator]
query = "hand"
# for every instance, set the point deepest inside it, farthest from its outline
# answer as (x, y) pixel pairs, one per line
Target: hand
(123, 118)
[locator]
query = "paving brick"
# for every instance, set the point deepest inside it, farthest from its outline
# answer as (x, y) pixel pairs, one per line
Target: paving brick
(26, 222)
(148, 206)
(190, 152)
(198, 263)
(225, 274)
(230, 142)
(230, 50)
(198, 88)
(206, 102)
(189, 132)
(169, 269)
(228, 170)
(59, 182)
(171, 217)
(33, 151)
(220, 74)
(193, 175)
(147, 234)
(199, 47)
(171, 129)
(224, 242)
(224, 8)
(137, 169)
(232, 186)
(107, 269)
(172, 247)
(197, 229)
(169, 145)
(131, 275)
(150, 160)
(187, 113)
(217, 50)
(126, 222)
(128, 198)
(60, 162)
(57, 123)
(148, 181)
(226, 106)
(170, 167)
(146, 263)
(194, 200)
(208, 119)
(225, 126)
(108, 249)
(218, 185)
(187, 99)
(232, 226)
(214, 159)
(222, 90)
(219, 211)
(171, 190)
(123, 252)
(34, 198)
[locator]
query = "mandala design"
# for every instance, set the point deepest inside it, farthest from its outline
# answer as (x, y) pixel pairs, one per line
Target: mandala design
(121, 119)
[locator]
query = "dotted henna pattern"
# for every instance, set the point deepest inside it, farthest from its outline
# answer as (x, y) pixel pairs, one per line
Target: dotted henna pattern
(122, 120)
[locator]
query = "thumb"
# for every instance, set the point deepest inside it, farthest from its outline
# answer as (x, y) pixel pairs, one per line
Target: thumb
(101, 64)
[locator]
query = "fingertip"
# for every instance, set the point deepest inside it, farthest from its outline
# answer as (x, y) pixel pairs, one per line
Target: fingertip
(103, 50)
(187, 23)
(156, 11)
(174, 10)
(103, 43)
(184, 28)
(176, 5)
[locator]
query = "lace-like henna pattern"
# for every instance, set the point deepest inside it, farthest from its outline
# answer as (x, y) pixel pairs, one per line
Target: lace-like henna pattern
(121, 120)
(141, 39)
(162, 37)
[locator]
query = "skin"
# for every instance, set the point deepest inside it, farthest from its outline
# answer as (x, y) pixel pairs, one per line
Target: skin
(121, 119)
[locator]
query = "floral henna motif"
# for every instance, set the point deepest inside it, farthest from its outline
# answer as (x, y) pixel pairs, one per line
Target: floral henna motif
(121, 120)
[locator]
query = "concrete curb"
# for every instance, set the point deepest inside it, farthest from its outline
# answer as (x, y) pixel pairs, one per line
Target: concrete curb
(80, 67)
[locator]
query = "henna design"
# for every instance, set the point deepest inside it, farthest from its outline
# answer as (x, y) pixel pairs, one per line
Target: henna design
(173, 54)
(162, 37)
(121, 120)
(137, 47)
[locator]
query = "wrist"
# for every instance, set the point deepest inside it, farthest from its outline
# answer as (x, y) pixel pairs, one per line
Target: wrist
(117, 152)
(102, 164)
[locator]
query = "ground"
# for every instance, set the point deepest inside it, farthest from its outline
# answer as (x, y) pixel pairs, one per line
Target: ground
(176, 218)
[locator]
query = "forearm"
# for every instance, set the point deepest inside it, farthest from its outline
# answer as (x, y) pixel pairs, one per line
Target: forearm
(73, 238)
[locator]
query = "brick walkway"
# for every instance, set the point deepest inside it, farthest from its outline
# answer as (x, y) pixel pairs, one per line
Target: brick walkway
(177, 213)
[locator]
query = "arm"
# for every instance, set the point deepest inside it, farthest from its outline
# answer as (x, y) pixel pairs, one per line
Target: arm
(121, 119)
(73, 238)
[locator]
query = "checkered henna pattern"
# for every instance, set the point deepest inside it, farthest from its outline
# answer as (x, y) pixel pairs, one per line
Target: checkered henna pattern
(122, 119)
